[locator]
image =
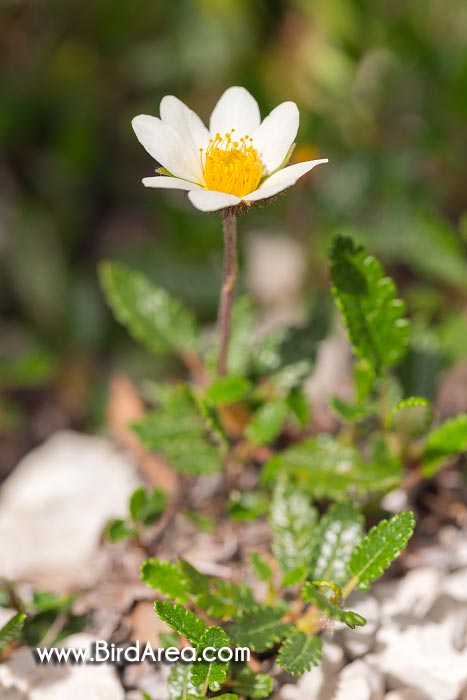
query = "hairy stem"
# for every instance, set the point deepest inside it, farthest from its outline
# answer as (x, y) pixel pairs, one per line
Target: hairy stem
(228, 285)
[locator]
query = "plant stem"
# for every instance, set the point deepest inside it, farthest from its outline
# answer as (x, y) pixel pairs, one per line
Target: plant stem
(228, 285)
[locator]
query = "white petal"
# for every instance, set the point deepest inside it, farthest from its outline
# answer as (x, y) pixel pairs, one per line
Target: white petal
(236, 109)
(276, 135)
(189, 126)
(169, 183)
(166, 145)
(210, 200)
(282, 179)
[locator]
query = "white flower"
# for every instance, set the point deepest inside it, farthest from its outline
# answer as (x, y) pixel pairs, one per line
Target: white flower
(239, 159)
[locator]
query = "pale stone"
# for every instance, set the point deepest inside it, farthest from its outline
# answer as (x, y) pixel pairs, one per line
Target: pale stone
(406, 694)
(320, 682)
(455, 585)
(30, 681)
(359, 681)
(54, 506)
(412, 597)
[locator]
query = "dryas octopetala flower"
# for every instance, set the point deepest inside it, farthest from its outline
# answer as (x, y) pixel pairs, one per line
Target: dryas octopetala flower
(239, 159)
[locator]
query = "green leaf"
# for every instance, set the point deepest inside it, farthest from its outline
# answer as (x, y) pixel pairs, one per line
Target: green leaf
(260, 628)
(165, 577)
(260, 567)
(247, 505)
(183, 621)
(225, 599)
(117, 530)
(411, 416)
(384, 543)
(443, 442)
(241, 334)
(372, 313)
(147, 507)
(340, 530)
(228, 390)
(11, 631)
(293, 527)
(326, 469)
(169, 639)
(267, 422)
(151, 315)
(299, 653)
(311, 594)
(252, 685)
(291, 578)
(181, 434)
(210, 674)
(350, 412)
(298, 405)
(179, 682)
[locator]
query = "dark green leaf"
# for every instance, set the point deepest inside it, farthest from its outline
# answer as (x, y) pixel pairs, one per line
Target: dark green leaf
(11, 631)
(183, 621)
(443, 442)
(228, 390)
(165, 577)
(260, 567)
(267, 422)
(299, 653)
(117, 530)
(252, 685)
(311, 594)
(260, 628)
(293, 527)
(340, 530)
(150, 314)
(212, 674)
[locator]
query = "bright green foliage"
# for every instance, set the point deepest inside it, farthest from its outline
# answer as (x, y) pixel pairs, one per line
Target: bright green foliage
(179, 682)
(146, 507)
(267, 422)
(299, 653)
(293, 527)
(411, 416)
(166, 578)
(225, 599)
(247, 505)
(384, 543)
(327, 469)
(11, 631)
(151, 315)
(252, 685)
(241, 334)
(340, 530)
(312, 594)
(183, 621)
(179, 431)
(119, 529)
(372, 313)
(443, 442)
(260, 567)
(210, 674)
(227, 390)
(42, 614)
(260, 628)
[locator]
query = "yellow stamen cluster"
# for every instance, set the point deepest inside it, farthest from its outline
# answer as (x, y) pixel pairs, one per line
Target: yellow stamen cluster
(231, 166)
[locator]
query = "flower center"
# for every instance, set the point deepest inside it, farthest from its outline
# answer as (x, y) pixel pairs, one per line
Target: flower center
(231, 166)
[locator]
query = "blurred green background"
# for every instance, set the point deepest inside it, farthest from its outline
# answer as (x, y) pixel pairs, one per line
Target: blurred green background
(382, 91)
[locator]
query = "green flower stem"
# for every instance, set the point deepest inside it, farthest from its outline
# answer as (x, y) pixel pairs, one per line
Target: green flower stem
(228, 286)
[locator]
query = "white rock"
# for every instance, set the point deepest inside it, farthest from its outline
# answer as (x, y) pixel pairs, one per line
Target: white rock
(360, 641)
(395, 501)
(455, 585)
(56, 502)
(406, 694)
(21, 675)
(359, 681)
(412, 597)
(422, 657)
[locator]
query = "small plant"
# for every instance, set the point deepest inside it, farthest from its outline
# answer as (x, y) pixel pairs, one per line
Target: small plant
(316, 563)
(145, 509)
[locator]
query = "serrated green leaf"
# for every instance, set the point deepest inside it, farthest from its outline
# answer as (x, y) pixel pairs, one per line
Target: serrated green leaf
(117, 530)
(312, 594)
(293, 527)
(179, 682)
(151, 315)
(372, 313)
(241, 334)
(180, 432)
(411, 416)
(210, 674)
(260, 567)
(299, 653)
(299, 406)
(325, 468)
(183, 621)
(443, 442)
(339, 531)
(11, 631)
(260, 628)
(165, 577)
(146, 507)
(228, 390)
(267, 422)
(252, 685)
(384, 543)
(225, 599)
